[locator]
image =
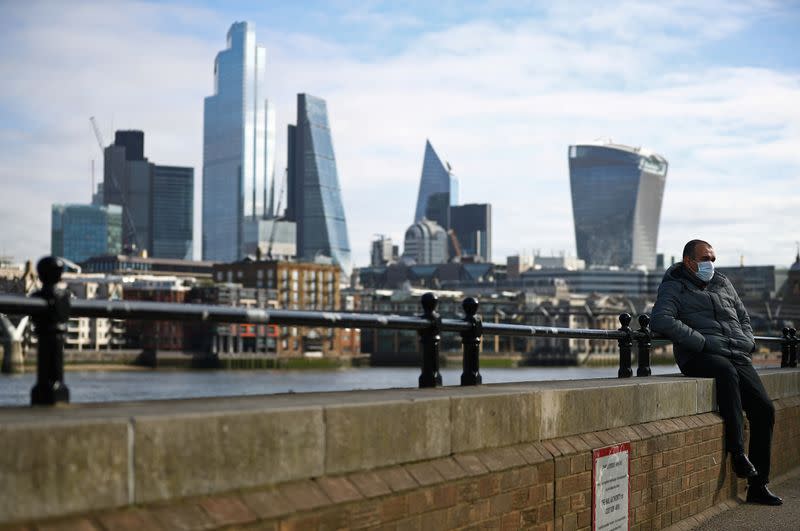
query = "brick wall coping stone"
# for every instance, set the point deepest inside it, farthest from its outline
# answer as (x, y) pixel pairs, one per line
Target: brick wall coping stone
(86, 457)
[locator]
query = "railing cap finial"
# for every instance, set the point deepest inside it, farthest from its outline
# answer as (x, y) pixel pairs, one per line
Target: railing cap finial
(785, 331)
(470, 306)
(429, 302)
(625, 320)
(50, 269)
(792, 332)
(644, 320)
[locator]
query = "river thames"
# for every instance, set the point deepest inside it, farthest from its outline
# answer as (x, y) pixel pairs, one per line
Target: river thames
(111, 386)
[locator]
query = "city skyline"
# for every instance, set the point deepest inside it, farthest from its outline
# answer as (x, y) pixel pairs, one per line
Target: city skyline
(710, 87)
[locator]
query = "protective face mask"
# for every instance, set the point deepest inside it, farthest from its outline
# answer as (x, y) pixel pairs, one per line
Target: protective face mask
(705, 271)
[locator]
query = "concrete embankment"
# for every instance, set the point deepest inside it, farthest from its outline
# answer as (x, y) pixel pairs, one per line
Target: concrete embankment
(509, 455)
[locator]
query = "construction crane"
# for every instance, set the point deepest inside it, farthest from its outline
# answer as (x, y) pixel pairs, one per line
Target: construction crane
(276, 218)
(126, 212)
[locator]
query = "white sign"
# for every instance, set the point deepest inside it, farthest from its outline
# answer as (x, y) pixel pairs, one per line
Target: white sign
(611, 487)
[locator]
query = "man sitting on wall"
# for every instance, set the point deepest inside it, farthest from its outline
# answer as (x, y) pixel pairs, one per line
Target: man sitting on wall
(701, 313)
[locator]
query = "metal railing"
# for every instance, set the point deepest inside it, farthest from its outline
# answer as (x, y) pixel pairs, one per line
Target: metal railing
(50, 309)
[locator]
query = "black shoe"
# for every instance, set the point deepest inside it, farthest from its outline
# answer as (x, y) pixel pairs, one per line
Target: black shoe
(742, 466)
(761, 494)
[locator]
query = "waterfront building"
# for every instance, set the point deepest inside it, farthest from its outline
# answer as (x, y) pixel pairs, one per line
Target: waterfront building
(81, 231)
(438, 189)
(156, 335)
(752, 283)
(238, 145)
(472, 227)
(94, 333)
(426, 243)
(314, 199)
(157, 201)
(617, 193)
(286, 285)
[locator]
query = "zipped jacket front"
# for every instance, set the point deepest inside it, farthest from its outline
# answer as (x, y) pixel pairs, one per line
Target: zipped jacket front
(700, 318)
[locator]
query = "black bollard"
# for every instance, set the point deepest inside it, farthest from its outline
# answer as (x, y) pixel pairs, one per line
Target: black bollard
(50, 328)
(785, 347)
(471, 341)
(625, 345)
(793, 340)
(430, 338)
(644, 346)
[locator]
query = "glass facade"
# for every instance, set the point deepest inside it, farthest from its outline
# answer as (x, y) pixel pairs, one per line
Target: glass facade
(81, 231)
(238, 155)
(173, 212)
(617, 193)
(314, 196)
(472, 225)
(438, 189)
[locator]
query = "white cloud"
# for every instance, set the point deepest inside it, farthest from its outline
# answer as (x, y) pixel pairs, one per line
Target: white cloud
(501, 100)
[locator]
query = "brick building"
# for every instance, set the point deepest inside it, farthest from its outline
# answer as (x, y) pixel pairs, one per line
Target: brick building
(292, 286)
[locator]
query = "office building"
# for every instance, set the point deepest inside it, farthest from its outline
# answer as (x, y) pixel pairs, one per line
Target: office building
(426, 243)
(314, 199)
(157, 201)
(383, 251)
(238, 145)
(472, 227)
(617, 193)
(81, 231)
(438, 189)
(172, 211)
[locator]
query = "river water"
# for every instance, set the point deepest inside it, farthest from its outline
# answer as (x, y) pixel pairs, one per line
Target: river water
(110, 386)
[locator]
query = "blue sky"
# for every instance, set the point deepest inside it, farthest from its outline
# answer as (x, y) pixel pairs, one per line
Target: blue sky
(501, 88)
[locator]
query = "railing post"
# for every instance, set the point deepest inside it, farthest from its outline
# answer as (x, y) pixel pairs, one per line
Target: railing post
(430, 338)
(625, 345)
(785, 347)
(793, 340)
(471, 341)
(643, 340)
(50, 329)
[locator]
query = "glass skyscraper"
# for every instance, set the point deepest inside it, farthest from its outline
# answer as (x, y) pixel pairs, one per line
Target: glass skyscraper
(438, 189)
(157, 201)
(79, 232)
(172, 210)
(472, 226)
(238, 145)
(617, 193)
(314, 197)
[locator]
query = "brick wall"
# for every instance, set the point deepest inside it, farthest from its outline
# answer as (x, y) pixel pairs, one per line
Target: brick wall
(678, 470)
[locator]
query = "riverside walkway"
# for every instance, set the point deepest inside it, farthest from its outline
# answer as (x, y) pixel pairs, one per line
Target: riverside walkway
(741, 515)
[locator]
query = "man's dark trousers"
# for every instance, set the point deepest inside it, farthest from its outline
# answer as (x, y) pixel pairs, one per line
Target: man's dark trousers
(738, 388)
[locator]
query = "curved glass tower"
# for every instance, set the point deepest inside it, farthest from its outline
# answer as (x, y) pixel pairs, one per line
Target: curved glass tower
(237, 153)
(617, 193)
(438, 189)
(314, 196)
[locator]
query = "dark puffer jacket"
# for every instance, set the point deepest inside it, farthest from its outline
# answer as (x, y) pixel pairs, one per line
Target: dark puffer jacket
(701, 318)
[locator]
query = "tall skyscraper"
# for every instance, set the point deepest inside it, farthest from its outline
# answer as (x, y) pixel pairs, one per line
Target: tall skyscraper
(438, 189)
(79, 232)
(238, 145)
(472, 226)
(172, 211)
(617, 193)
(314, 197)
(157, 201)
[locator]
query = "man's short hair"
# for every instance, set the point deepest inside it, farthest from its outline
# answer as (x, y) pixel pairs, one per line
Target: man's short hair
(688, 249)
